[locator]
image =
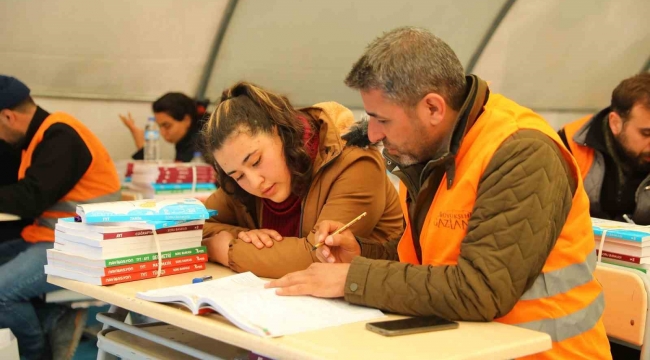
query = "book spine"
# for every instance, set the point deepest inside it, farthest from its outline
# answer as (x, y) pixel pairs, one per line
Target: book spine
(152, 265)
(177, 191)
(154, 256)
(189, 216)
(623, 264)
(621, 257)
(137, 233)
(202, 186)
(109, 280)
(619, 235)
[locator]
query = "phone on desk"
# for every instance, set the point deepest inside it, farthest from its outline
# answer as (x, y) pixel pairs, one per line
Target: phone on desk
(412, 325)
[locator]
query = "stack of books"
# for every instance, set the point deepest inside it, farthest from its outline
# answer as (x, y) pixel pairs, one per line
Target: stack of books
(171, 180)
(111, 243)
(625, 244)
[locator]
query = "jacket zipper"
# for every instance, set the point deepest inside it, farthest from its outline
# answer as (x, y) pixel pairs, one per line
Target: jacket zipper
(302, 203)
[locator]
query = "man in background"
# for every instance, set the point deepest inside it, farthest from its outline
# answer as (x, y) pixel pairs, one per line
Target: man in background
(612, 149)
(62, 164)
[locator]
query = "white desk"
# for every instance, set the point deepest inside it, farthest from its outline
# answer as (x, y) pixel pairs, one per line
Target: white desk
(352, 341)
(8, 217)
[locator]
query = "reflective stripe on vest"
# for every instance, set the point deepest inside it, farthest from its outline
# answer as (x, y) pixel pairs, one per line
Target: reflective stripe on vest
(71, 207)
(571, 325)
(562, 280)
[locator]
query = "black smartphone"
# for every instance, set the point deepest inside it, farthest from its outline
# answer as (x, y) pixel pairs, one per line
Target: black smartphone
(411, 325)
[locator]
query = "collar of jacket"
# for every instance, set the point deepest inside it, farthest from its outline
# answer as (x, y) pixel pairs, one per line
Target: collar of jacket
(39, 116)
(332, 119)
(593, 134)
(477, 96)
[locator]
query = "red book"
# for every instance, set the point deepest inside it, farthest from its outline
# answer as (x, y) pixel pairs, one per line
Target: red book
(117, 279)
(622, 257)
(130, 268)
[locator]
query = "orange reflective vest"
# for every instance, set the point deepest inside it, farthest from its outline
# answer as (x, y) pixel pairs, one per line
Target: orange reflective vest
(100, 183)
(565, 301)
(583, 154)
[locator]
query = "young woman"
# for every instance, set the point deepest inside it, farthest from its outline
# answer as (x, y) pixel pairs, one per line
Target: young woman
(179, 118)
(282, 171)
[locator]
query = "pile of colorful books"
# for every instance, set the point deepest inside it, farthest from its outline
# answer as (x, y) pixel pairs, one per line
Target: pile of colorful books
(171, 180)
(123, 241)
(624, 244)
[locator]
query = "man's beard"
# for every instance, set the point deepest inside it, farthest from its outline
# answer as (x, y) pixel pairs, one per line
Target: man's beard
(636, 162)
(403, 160)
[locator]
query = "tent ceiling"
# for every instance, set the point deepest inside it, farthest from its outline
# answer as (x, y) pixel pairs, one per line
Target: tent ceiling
(552, 55)
(107, 49)
(304, 49)
(563, 55)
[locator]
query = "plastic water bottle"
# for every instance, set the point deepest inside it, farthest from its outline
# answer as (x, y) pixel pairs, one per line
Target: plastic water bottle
(151, 140)
(197, 158)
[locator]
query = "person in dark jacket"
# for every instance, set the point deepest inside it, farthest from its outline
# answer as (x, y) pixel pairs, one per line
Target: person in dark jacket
(612, 149)
(62, 164)
(9, 162)
(180, 119)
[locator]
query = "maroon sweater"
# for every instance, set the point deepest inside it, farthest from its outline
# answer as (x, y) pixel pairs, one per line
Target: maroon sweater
(284, 217)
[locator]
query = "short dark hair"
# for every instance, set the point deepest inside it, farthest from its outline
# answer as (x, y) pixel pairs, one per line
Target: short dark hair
(630, 92)
(406, 64)
(24, 106)
(176, 105)
(245, 107)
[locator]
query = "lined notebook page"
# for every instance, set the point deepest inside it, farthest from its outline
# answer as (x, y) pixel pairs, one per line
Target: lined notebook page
(244, 297)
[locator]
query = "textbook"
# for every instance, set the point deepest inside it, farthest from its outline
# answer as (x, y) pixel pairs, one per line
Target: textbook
(244, 301)
(126, 260)
(130, 236)
(116, 279)
(75, 223)
(619, 230)
(143, 210)
(624, 258)
(77, 248)
(125, 269)
(623, 247)
(136, 242)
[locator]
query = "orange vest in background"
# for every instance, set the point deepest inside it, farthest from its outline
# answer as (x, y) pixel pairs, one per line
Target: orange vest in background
(100, 183)
(565, 301)
(584, 155)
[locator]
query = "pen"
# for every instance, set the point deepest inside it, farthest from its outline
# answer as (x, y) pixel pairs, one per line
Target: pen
(341, 229)
(628, 219)
(201, 279)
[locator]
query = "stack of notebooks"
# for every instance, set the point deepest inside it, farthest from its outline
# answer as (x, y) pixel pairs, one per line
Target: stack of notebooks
(625, 244)
(111, 243)
(171, 180)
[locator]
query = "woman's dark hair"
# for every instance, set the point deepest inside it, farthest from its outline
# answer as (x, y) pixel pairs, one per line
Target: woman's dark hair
(245, 107)
(177, 105)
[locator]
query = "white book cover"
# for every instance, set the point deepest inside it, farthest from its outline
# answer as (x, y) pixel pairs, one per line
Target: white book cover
(73, 248)
(129, 242)
(625, 248)
(244, 301)
(111, 230)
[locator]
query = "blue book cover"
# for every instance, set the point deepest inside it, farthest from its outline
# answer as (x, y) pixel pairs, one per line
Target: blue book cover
(184, 186)
(143, 210)
(158, 224)
(620, 230)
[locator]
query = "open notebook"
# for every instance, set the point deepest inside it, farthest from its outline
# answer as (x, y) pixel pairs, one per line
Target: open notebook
(244, 301)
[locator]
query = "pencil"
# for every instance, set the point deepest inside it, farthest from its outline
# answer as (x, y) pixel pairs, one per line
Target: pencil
(341, 229)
